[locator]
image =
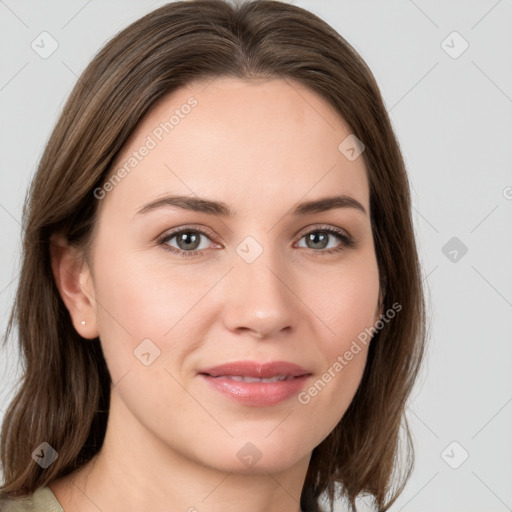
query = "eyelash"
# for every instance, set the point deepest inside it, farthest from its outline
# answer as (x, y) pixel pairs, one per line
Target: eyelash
(347, 241)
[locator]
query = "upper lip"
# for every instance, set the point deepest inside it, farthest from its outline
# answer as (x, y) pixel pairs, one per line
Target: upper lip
(256, 369)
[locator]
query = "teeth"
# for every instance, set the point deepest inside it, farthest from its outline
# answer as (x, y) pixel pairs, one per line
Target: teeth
(239, 378)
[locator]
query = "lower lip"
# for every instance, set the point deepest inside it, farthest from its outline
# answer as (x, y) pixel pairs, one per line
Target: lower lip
(257, 394)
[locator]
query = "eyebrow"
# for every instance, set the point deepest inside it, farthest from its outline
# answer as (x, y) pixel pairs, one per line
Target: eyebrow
(220, 209)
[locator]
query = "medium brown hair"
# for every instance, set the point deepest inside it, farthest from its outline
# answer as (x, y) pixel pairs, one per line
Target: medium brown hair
(64, 393)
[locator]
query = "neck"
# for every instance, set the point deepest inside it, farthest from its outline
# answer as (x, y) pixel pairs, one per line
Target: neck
(149, 475)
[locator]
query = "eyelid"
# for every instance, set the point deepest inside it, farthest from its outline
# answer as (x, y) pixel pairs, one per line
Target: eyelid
(322, 227)
(189, 227)
(210, 233)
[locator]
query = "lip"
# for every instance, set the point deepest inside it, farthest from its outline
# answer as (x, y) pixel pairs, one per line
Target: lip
(256, 394)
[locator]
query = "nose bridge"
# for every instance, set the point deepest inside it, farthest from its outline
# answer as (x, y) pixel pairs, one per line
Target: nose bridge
(258, 295)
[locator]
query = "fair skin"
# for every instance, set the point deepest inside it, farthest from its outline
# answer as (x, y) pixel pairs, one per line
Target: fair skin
(172, 440)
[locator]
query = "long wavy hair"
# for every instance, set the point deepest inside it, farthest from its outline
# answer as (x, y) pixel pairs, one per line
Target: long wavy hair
(64, 394)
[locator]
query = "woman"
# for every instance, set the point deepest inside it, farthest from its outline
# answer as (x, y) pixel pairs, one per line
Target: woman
(220, 302)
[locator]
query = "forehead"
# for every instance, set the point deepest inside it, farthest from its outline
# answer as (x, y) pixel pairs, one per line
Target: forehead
(254, 140)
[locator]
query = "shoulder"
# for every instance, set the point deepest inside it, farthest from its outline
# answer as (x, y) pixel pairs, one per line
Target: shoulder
(41, 500)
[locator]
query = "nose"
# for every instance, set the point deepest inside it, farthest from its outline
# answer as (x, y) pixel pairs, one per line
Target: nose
(259, 298)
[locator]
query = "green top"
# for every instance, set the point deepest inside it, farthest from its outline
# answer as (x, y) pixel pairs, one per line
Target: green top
(42, 500)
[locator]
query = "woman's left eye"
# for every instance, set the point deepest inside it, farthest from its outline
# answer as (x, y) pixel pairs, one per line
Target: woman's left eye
(319, 239)
(187, 242)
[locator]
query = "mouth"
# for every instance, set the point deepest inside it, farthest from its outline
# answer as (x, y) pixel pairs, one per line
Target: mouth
(279, 370)
(257, 384)
(240, 378)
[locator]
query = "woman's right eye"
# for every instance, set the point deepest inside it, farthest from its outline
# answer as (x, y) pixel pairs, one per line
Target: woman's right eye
(187, 242)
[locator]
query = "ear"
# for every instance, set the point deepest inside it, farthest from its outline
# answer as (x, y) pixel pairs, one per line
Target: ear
(75, 284)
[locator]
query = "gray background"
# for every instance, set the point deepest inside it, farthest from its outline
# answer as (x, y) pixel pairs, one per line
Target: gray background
(452, 116)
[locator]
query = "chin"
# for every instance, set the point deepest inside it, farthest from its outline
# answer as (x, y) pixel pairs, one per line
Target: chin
(257, 457)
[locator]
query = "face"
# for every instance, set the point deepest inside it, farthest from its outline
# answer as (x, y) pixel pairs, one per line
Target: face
(278, 289)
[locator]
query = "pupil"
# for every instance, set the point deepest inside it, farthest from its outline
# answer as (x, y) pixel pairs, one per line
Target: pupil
(184, 237)
(314, 238)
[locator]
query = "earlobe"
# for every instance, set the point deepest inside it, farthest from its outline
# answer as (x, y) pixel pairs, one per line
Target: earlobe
(74, 282)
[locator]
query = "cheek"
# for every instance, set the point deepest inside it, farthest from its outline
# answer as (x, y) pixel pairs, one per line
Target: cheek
(137, 301)
(347, 306)
(346, 302)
